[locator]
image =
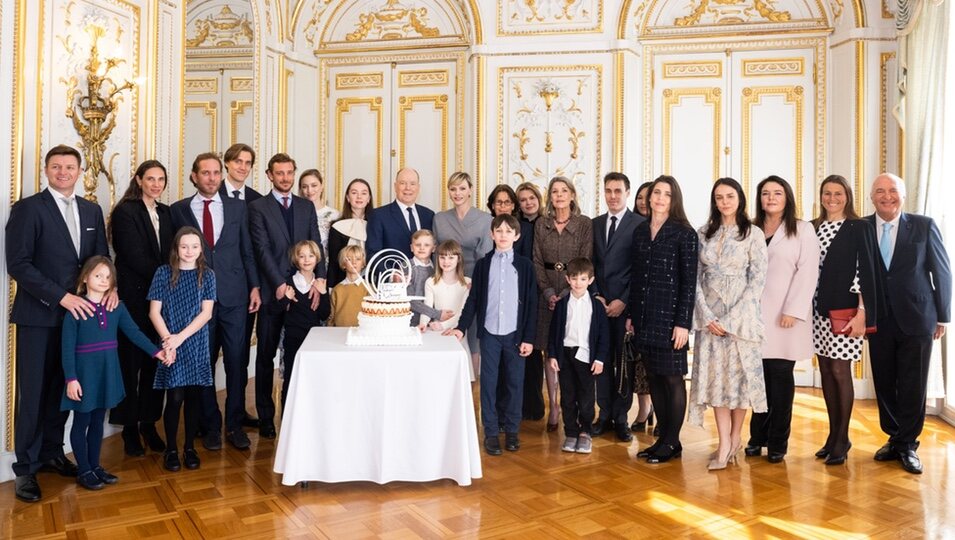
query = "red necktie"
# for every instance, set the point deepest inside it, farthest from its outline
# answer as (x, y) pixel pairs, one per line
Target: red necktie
(208, 230)
(285, 202)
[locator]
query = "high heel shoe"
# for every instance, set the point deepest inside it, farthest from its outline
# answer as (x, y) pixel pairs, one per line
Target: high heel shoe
(717, 464)
(638, 425)
(822, 453)
(669, 452)
(838, 459)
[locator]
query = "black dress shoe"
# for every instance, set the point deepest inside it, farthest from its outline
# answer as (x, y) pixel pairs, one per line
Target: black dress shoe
(646, 452)
(665, 453)
(132, 445)
(623, 433)
(238, 439)
(886, 453)
(492, 445)
(171, 461)
(267, 430)
(775, 457)
(90, 481)
(190, 458)
(104, 476)
(27, 489)
(600, 427)
(910, 461)
(822, 453)
(250, 421)
(153, 441)
(212, 440)
(511, 442)
(60, 465)
(753, 450)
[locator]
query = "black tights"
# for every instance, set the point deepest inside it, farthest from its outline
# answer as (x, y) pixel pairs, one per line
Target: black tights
(838, 393)
(86, 436)
(175, 397)
(668, 393)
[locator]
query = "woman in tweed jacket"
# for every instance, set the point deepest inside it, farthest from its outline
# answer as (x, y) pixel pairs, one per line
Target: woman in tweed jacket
(560, 235)
(662, 295)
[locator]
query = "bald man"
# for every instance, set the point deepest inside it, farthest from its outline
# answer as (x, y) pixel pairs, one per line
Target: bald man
(915, 272)
(392, 225)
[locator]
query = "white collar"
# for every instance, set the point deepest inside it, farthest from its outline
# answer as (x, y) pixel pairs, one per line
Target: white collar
(895, 222)
(618, 215)
(301, 283)
(419, 263)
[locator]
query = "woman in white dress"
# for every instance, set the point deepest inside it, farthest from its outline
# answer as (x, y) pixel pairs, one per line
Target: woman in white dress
(447, 289)
(311, 185)
(728, 368)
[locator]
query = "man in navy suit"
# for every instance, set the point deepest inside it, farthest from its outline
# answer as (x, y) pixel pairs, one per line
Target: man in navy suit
(48, 238)
(239, 160)
(278, 221)
(391, 226)
(613, 234)
(227, 247)
(918, 292)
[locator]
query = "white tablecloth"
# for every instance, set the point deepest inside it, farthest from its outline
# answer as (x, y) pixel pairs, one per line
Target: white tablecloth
(378, 414)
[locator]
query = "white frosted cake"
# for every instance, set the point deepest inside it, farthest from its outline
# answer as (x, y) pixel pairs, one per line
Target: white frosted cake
(384, 323)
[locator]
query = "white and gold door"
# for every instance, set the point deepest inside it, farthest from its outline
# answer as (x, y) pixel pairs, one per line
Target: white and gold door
(384, 117)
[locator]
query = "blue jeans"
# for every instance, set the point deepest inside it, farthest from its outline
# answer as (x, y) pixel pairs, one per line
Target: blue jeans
(501, 359)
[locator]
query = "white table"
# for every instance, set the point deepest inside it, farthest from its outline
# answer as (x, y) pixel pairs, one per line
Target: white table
(378, 414)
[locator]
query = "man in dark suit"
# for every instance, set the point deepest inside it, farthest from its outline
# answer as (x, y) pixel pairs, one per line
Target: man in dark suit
(918, 295)
(278, 221)
(239, 160)
(48, 238)
(613, 233)
(227, 247)
(391, 226)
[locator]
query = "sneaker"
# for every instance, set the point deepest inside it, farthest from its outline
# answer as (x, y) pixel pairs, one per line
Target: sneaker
(212, 440)
(105, 476)
(570, 444)
(90, 481)
(584, 444)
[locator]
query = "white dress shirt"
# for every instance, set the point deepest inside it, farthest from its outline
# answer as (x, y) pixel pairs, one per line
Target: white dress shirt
(893, 232)
(61, 201)
(619, 216)
(215, 209)
(577, 329)
(404, 213)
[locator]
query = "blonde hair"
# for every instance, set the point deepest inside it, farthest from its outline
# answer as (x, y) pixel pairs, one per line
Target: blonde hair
(532, 187)
(352, 251)
(458, 177)
(422, 232)
(574, 207)
(311, 245)
(450, 247)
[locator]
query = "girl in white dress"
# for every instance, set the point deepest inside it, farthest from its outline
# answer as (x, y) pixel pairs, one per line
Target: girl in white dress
(447, 289)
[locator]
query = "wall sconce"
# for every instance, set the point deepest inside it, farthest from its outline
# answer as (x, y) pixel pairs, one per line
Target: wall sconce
(96, 108)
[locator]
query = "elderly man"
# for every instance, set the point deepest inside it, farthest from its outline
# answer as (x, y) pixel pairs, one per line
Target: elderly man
(918, 292)
(392, 225)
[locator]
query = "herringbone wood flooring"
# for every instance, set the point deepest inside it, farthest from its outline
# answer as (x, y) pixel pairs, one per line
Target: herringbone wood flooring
(538, 492)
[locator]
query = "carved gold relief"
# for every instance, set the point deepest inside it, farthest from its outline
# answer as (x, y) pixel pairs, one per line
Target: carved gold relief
(522, 140)
(837, 7)
(406, 104)
(672, 97)
(771, 67)
(240, 84)
(226, 29)
(731, 12)
(692, 70)
(520, 17)
(342, 106)
(393, 21)
(203, 85)
(574, 141)
(359, 80)
(426, 77)
(751, 98)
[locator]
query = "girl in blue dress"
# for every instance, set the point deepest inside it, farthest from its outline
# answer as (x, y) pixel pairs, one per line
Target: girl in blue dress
(181, 299)
(94, 381)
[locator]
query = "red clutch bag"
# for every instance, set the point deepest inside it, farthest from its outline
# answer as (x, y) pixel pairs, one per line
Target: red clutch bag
(839, 318)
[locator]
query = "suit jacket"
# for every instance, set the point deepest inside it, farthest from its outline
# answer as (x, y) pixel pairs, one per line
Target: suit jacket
(853, 249)
(918, 282)
(139, 253)
(42, 259)
(388, 228)
(271, 241)
(476, 304)
(791, 276)
(251, 195)
(662, 282)
(525, 244)
(612, 262)
(232, 258)
(598, 341)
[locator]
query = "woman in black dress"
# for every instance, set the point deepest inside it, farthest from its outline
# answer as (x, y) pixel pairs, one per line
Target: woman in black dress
(351, 228)
(662, 296)
(141, 230)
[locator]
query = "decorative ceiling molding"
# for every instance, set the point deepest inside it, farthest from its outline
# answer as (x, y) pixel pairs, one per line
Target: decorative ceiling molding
(223, 29)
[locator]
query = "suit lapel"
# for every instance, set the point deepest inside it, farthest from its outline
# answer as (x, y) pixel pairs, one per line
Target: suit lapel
(902, 239)
(399, 217)
(275, 208)
(146, 223)
(187, 208)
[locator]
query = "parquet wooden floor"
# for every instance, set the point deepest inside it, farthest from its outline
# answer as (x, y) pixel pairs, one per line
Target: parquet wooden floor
(538, 492)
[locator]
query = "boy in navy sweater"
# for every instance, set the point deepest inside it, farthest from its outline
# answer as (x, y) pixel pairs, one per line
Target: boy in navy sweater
(504, 298)
(579, 344)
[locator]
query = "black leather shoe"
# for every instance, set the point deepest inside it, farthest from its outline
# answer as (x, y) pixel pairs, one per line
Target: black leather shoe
(833, 459)
(267, 431)
(646, 452)
(665, 453)
(775, 457)
(153, 441)
(601, 427)
(250, 421)
(190, 458)
(171, 461)
(511, 442)
(623, 433)
(753, 450)
(886, 453)
(212, 440)
(238, 439)
(104, 476)
(132, 445)
(910, 461)
(60, 465)
(492, 445)
(90, 481)
(822, 453)
(27, 489)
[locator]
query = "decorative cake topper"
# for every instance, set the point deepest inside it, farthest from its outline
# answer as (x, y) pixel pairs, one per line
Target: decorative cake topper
(387, 275)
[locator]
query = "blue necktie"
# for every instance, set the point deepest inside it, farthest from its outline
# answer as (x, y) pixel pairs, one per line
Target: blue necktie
(885, 245)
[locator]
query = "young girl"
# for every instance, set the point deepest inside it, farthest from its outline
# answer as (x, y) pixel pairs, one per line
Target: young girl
(181, 299)
(347, 295)
(447, 290)
(94, 381)
(300, 317)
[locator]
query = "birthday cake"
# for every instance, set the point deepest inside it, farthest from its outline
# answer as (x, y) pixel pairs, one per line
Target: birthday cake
(385, 316)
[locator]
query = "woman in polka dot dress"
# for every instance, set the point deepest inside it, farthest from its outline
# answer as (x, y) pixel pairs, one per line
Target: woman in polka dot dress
(847, 279)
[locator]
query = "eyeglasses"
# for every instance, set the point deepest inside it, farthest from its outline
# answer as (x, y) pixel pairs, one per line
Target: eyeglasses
(504, 202)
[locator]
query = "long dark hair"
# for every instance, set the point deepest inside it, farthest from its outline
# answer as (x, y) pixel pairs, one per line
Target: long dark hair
(646, 198)
(174, 255)
(789, 211)
(135, 191)
(677, 214)
(346, 208)
(850, 204)
(716, 218)
(510, 195)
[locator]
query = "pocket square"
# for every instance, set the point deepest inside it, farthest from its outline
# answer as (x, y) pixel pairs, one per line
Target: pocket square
(91, 228)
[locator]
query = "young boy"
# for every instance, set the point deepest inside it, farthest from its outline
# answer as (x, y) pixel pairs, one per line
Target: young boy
(348, 294)
(422, 247)
(578, 347)
(504, 298)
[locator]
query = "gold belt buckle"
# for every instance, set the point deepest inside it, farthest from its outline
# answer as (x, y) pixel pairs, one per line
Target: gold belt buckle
(559, 266)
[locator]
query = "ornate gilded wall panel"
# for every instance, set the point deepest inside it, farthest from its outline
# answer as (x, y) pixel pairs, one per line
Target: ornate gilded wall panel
(711, 101)
(202, 85)
(344, 81)
(422, 105)
(371, 123)
(772, 67)
(773, 118)
(202, 117)
(393, 24)
(522, 17)
(662, 18)
(692, 70)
